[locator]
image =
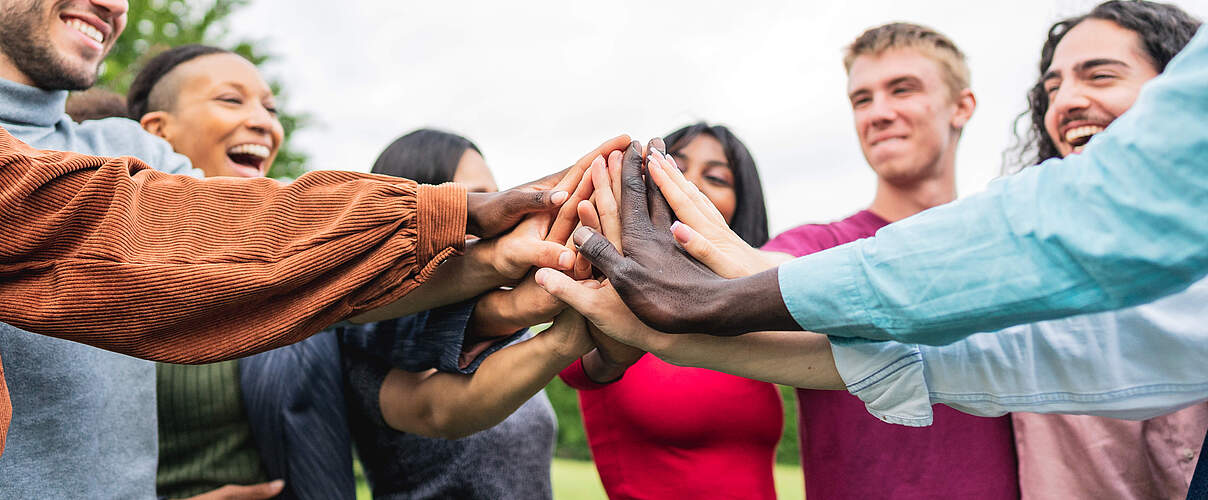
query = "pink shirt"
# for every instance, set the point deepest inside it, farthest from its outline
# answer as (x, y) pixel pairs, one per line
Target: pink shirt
(1080, 456)
(848, 453)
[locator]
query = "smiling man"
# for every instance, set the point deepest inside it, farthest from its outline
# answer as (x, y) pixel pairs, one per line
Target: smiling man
(1092, 69)
(70, 399)
(909, 91)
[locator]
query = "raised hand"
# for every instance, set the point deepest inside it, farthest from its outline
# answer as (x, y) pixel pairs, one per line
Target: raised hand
(494, 213)
(664, 287)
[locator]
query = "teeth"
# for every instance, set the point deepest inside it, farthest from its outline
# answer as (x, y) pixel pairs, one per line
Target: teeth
(256, 150)
(1082, 132)
(87, 29)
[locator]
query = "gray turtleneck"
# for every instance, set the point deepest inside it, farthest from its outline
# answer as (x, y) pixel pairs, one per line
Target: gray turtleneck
(84, 421)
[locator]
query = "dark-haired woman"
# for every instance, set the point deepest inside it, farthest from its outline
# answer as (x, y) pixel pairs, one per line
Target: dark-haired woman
(662, 431)
(508, 460)
(227, 428)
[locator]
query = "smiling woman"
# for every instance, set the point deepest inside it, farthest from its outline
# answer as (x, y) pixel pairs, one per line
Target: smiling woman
(213, 106)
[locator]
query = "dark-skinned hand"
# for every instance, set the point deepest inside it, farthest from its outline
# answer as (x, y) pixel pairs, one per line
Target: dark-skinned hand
(661, 284)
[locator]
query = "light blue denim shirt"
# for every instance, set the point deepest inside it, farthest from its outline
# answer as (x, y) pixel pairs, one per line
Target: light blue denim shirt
(1121, 224)
(1133, 363)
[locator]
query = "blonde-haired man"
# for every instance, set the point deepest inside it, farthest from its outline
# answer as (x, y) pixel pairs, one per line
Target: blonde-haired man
(909, 92)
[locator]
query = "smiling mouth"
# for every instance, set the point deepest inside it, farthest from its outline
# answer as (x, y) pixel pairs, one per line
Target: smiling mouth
(86, 29)
(249, 155)
(1079, 136)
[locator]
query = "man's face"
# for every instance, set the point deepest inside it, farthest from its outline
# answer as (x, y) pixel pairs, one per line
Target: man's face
(58, 44)
(1097, 71)
(906, 118)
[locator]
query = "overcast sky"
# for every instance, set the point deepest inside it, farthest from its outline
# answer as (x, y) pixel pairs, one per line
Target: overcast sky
(536, 84)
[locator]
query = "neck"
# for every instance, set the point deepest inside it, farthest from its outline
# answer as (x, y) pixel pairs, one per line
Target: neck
(896, 202)
(9, 71)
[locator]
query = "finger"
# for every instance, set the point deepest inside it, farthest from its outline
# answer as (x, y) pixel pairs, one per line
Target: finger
(605, 207)
(660, 211)
(596, 248)
(588, 216)
(567, 219)
(568, 178)
(656, 144)
(614, 173)
(635, 217)
(700, 248)
(682, 204)
(573, 293)
(548, 254)
(703, 203)
(254, 491)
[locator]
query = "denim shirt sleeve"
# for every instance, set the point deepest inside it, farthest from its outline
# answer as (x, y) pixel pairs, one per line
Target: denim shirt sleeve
(422, 341)
(1118, 225)
(1133, 363)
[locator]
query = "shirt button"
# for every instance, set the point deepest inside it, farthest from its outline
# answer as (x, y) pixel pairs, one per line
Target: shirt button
(1188, 454)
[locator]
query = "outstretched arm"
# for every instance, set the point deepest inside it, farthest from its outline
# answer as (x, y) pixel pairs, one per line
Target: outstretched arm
(452, 406)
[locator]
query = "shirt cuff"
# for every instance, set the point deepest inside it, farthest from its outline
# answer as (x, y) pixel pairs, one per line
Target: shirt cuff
(821, 292)
(576, 377)
(440, 224)
(887, 376)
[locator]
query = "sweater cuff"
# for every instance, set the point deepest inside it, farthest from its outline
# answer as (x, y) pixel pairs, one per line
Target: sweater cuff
(440, 223)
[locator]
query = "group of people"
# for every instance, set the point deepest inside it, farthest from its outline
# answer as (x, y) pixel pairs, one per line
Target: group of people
(389, 312)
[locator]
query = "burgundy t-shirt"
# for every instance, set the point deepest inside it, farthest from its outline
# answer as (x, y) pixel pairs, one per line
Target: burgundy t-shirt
(848, 453)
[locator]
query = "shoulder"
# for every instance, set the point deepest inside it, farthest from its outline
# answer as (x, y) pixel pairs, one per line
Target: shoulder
(124, 137)
(804, 240)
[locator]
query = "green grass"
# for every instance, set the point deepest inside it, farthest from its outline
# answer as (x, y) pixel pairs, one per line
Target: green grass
(577, 480)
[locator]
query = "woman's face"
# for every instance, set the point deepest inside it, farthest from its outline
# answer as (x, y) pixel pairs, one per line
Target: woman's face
(223, 116)
(473, 172)
(703, 162)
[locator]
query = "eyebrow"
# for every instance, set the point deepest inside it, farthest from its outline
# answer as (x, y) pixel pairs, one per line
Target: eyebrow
(1085, 66)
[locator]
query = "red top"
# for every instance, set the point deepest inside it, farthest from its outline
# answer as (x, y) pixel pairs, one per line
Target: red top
(665, 431)
(848, 453)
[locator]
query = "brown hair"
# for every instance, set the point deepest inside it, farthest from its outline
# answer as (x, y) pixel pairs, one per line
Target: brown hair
(927, 41)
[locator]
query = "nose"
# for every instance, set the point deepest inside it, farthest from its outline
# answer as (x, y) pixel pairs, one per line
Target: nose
(262, 121)
(114, 8)
(1069, 97)
(881, 112)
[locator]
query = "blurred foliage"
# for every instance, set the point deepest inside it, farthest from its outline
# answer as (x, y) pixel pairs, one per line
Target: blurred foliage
(154, 26)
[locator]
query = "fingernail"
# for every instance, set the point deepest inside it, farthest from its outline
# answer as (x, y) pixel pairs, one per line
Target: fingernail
(677, 230)
(541, 275)
(581, 235)
(558, 197)
(277, 484)
(651, 160)
(566, 260)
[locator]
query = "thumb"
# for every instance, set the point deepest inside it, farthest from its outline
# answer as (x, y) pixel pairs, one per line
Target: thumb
(573, 293)
(599, 251)
(548, 254)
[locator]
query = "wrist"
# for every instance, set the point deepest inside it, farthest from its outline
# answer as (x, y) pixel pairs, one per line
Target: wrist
(482, 256)
(492, 317)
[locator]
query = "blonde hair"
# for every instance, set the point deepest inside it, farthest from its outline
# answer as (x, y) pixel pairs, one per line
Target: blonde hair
(927, 41)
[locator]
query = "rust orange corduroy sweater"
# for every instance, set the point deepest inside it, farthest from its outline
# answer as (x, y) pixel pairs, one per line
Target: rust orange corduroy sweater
(110, 253)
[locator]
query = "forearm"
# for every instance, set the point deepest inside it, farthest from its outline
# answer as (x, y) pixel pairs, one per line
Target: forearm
(458, 278)
(205, 270)
(452, 406)
(1119, 224)
(798, 359)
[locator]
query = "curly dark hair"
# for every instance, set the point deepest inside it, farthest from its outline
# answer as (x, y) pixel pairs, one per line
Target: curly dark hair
(1164, 30)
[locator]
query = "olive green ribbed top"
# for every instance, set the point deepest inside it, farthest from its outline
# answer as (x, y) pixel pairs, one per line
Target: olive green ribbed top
(205, 441)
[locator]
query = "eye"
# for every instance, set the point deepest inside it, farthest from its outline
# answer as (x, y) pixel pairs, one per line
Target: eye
(1051, 88)
(860, 101)
(718, 180)
(1102, 77)
(231, 100)
(271, 109)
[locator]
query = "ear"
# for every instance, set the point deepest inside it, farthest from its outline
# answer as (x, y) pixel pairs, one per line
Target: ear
(157, 123)
(965, 104)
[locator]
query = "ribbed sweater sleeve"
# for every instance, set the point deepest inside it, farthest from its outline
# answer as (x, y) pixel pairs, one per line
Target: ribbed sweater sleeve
(110, 253)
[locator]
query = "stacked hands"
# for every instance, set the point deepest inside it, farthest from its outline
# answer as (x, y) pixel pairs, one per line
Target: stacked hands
(650, 254)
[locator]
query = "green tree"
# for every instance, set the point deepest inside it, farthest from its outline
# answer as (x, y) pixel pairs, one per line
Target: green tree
(157, 25)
